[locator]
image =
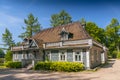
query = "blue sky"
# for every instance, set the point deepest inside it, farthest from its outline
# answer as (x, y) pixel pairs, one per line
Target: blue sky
(13, 12)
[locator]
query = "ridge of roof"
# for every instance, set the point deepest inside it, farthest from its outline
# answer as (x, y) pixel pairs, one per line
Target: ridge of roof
(59, 26)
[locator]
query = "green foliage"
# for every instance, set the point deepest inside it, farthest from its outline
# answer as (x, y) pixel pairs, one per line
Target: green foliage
(7, 38)
(8, 56)
(60, 66)
(114, 54)
(60, 19)
(1, 64)
(110, 37)
(11, 64)
(113, 36)
(32, 27)
(118, 55)
(97, 33)
(43, 66)
(2, 54)
(1, 60)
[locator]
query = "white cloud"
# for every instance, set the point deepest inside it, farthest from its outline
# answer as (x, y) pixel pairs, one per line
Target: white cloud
(8, 20)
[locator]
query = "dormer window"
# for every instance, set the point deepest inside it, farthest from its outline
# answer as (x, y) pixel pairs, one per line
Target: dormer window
(64, 34)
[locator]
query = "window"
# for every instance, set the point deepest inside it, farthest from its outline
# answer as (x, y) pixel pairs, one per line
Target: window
(64, 34)
(77, 56)
(23, 56)
(15, 55)
(64, 37)
(48, 56)
(62, 56)
(83, 50)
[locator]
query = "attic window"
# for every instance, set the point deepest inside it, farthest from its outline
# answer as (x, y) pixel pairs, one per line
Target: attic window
(64, 34)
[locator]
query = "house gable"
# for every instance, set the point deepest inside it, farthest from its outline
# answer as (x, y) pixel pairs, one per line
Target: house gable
(33, 44)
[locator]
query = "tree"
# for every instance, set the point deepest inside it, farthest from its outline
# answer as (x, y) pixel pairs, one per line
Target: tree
(60, 19)
(7, 38)
(2, 54)
(8, 56)
(32, 27)
(113, 36)
(97, 33)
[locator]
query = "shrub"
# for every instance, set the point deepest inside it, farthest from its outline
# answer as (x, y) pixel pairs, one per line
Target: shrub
(42, 66)
(8, 55)
(11, 64)
(1, 60)
(60, 66)
(114, 54)
(1, 64)
(118, 55)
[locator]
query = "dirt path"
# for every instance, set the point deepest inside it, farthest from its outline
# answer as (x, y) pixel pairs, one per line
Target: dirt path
(108, 72)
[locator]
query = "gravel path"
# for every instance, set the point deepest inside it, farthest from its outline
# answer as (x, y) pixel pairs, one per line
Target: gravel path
(108, 72)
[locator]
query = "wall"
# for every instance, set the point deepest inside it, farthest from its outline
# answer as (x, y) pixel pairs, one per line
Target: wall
(95, 56)
(54, 55)
(70, 55)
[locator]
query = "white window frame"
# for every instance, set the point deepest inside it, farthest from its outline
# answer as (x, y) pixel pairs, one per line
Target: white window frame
(78, 56)
(46, 53)
(74, 52)
(15, 56)
(64, 37)
(60, 52)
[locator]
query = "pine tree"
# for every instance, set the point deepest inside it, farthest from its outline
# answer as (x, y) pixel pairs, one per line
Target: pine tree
(32, 27)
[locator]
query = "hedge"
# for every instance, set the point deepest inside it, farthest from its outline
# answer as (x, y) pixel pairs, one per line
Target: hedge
(1, 60)
(60, 66)
(118, 55)
(11, 64)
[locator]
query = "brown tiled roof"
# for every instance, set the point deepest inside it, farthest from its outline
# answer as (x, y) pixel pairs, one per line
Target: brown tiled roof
(39, 43)
(53, 34)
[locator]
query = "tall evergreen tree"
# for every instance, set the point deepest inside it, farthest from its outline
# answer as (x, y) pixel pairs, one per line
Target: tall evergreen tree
(7, 38)
(32, 27)
(60, 19)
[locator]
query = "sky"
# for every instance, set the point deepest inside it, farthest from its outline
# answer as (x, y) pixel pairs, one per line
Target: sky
(13, 12)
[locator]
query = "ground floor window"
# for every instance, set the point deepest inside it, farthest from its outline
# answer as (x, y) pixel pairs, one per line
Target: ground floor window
(48, 56)
(15, 55)
(62, 56)
(77, 56)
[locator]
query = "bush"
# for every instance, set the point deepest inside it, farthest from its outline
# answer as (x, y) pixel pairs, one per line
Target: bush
(114, 54)
(11, 64)
(60, 66)
(118, 55)
(1, 60)
(43, 66)
(1, 64)
(8, 56)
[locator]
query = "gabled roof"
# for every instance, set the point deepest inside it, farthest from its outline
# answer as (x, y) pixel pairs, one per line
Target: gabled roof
(53, 34)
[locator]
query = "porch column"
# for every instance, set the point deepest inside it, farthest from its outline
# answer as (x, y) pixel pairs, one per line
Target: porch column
(102, 58)
(88, 59)
(13, 56)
